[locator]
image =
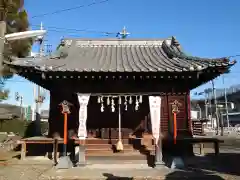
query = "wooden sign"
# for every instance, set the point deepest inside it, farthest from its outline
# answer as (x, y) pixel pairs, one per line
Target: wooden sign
(83, 102)
(155, 114)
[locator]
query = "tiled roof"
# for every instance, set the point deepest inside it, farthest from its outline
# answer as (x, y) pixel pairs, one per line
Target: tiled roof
(121, 55)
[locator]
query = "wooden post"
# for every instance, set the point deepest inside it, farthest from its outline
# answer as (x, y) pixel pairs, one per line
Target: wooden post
(55, 151)
(64, 161)
(201, 149)
(65, 111)
(23, 150)
(216, 147)
(65, 134)
(175, 127)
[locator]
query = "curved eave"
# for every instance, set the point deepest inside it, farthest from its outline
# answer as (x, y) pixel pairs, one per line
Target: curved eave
(173, 50)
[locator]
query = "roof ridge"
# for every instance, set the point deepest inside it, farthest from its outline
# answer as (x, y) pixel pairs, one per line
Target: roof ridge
(117, 39)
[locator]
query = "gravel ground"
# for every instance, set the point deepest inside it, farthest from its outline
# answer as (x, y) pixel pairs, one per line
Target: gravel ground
(224, 166)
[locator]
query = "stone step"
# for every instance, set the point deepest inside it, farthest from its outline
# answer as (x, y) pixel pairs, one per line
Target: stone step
(106, 141)
(108, 150)
(100, 156)
(106, 146)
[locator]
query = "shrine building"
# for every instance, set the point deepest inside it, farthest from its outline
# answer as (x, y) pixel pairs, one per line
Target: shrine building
(109, 84)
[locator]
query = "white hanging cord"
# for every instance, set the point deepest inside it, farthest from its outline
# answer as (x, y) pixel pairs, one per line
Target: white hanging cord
(99, 99)
(119, 122)
(130, 100)
(125, 103)
(136, 104)
(113, 105)
(108, 100)
(119, 100)
(140, 99)
(102, 106)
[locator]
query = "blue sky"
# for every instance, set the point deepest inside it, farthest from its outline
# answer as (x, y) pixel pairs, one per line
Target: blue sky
(206, 28)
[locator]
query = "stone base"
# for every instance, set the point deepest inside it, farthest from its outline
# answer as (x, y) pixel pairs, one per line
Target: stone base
(177, 163)
(79, 164)
(64, 163)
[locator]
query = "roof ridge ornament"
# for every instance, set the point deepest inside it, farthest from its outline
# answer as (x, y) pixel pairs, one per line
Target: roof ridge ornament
(174, 42)
(123, 34)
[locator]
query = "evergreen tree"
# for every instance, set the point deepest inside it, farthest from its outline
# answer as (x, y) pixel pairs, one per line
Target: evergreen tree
(16, 18)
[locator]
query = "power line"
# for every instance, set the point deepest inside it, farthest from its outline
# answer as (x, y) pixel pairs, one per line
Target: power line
(70, 30)
(59, 29)
(238, 55)
(70, 9)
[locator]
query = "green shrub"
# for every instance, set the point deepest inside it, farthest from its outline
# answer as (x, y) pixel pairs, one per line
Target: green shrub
(21, 127)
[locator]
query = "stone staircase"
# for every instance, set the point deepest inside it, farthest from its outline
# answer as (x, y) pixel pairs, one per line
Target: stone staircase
(107, 147)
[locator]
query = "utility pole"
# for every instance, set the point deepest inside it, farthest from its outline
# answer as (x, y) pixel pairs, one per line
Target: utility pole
(216, 107)
(200, 111)
(210, 107)
(206, 105)
(19, 97)
(226, 101)
(38, 98)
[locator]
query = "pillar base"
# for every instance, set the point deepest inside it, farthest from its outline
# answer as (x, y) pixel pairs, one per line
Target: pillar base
(158, 155)
(64, 163)
(177, 163)
(80, 155)
(81, 164)
(159, 164)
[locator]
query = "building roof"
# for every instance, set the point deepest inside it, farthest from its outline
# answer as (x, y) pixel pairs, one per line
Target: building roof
(120, 55)
(8, 111)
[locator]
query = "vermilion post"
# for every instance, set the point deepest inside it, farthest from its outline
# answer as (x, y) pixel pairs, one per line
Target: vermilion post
(65, 129)
(175, 128)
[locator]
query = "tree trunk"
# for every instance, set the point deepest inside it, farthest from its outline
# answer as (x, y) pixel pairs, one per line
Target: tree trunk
(2, 38)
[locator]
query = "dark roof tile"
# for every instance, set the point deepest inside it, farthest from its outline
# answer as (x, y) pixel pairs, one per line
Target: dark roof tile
(114, 55)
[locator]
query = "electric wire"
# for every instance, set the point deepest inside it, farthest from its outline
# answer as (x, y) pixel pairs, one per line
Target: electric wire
(70, 9)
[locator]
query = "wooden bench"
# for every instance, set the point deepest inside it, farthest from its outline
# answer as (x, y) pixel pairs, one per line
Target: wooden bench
(196, 140)
(45, 140)
(203, 140)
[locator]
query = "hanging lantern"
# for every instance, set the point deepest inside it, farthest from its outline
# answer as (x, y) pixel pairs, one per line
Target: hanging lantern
(108, 100)
(140, 99)
(130, 100)
(113, 105)
(99, 99)
(119, 100)
(125, 103)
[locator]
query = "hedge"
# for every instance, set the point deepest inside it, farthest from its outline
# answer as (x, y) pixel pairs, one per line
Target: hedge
(21, 127)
